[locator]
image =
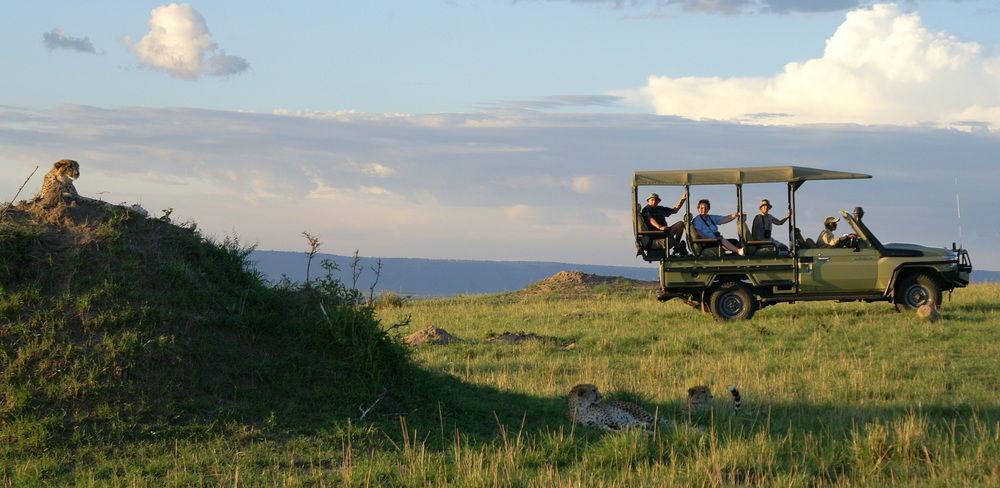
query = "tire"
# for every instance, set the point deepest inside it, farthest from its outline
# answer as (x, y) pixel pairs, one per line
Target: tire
(732, 301)
(916, 289)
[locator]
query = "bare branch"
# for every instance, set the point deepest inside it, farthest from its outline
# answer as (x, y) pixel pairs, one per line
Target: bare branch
(365, 411)
(12, 200)
(378, 273)
(313, 242)
(401, 323)
(356, 270)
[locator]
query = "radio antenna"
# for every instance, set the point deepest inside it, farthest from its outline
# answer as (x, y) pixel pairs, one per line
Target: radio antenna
(958, 210)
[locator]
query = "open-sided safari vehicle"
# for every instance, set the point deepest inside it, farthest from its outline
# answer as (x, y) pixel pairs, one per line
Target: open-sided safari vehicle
(733, 287)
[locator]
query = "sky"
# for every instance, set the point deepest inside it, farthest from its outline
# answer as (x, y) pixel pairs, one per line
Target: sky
(506, 130)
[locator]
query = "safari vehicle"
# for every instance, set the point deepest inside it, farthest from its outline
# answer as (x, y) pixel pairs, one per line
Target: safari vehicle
(733, 287)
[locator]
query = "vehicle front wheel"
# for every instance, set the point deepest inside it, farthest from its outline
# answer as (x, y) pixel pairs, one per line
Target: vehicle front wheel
(732, 301)
(915, 290)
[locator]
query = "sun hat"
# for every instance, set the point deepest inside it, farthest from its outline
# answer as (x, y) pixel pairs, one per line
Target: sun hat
(653, 195)
(765, 202)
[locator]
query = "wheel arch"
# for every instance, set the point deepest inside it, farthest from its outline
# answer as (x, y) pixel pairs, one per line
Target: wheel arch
(910, 269)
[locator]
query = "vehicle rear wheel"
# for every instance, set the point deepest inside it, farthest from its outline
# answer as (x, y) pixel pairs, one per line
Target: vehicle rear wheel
(732, 301)
(915, 290)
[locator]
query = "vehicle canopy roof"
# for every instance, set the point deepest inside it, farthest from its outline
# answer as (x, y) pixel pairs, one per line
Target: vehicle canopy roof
(734, 176)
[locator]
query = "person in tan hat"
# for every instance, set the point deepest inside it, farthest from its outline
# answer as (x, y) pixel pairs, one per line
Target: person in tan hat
(655, 217)
(827, 237)
(763, 222)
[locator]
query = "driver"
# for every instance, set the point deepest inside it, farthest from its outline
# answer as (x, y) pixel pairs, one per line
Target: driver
(828, 239)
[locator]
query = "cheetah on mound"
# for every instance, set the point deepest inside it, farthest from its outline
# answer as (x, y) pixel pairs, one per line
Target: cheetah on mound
(58, 182)
(586, 407)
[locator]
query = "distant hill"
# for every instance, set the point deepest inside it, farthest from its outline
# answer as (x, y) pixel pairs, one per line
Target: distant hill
(985, 276)
(442, 277)
(437, 277)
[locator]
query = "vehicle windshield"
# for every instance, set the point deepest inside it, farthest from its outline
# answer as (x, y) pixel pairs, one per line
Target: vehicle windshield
(865, 236)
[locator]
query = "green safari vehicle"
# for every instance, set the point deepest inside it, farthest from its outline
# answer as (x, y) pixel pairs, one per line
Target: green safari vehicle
(733, 287)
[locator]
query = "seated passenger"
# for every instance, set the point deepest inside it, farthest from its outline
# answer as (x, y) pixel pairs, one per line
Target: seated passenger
(802, 243)
(655, 217)
(707, 226)
(828, 239)
(762, 222)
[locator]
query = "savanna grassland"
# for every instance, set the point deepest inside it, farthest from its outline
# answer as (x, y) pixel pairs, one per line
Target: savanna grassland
(834, 394)
(136, 352)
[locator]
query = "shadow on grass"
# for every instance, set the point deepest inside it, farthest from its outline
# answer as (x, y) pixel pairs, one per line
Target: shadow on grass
(436, 405)
(974, 307)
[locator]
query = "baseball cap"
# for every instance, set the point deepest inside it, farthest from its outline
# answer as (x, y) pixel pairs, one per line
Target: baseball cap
(830, 220)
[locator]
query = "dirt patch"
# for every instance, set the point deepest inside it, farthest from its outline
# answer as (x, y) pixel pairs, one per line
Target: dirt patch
(580, 283)
(430, 335)
(515, 337)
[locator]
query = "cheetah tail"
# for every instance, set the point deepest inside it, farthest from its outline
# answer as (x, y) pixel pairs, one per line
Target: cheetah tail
(737, 400)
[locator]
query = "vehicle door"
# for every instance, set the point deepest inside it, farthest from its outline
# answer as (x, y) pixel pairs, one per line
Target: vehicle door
(837, 270)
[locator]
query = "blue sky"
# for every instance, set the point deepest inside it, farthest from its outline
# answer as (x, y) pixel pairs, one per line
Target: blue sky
(419, 56)
(520, 121)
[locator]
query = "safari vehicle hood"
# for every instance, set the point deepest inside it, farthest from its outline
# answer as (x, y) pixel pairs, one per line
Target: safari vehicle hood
(913, 250)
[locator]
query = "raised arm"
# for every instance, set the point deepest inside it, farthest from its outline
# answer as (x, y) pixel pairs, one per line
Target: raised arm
(729, 218)
(680, 202)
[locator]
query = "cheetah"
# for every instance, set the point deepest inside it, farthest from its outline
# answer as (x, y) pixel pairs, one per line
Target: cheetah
(58, 182)
(700, 398)
(586, 407)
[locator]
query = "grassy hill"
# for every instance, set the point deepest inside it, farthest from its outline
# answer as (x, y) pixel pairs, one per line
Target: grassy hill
(116, 328)
(136, 352)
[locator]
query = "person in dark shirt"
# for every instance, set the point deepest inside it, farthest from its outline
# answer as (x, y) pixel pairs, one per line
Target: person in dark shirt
(655, 218)
(763, 222)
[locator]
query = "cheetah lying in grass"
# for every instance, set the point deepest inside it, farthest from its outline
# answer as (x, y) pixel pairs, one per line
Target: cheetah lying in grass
(587, 407)
(700, 398)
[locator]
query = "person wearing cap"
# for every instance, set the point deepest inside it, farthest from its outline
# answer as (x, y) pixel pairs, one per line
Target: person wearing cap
(763, 222)
(655, 217)
(827, 238)
(707, 226)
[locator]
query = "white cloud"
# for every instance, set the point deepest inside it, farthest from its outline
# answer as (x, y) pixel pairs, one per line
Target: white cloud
(378, 169)
(179, 43)
(881, 66)
(582, 184)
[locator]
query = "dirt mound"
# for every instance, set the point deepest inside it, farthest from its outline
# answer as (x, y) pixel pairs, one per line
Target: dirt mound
(578, 282)
(430, 335)
(515, 337)
(112, 322)
(72, 221)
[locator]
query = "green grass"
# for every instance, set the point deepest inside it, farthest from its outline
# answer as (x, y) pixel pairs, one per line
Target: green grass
(109, 384)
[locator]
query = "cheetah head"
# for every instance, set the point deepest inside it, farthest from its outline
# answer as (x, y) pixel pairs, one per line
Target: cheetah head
(67, 169)
(699, 394)
(583, 396)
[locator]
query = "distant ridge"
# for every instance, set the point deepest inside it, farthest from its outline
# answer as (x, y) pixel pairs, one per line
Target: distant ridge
(438, 277)
(443, 277)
